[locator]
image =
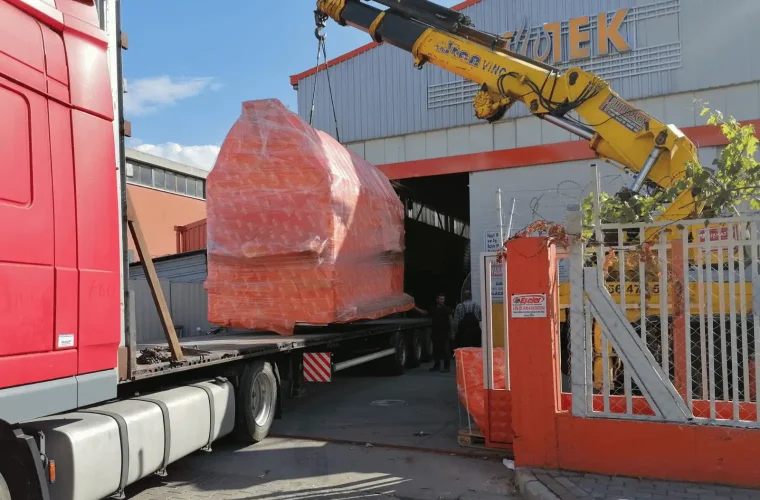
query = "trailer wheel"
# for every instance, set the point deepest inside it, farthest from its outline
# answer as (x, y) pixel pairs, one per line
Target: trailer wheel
(397, 362)
(427, 347)
(415, 349)
(256, 401)
(5, 492)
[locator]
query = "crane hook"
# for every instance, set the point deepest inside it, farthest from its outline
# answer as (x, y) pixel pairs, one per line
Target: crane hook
(320, 19)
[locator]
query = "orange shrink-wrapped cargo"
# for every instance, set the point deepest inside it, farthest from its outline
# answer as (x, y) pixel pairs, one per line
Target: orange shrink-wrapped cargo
(300, 229)
(470, 383)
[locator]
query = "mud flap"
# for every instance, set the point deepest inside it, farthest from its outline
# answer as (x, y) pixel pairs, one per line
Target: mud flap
(20, 464)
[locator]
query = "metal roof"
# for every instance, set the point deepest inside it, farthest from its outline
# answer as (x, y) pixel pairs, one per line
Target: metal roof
(294, 79)
(135, 155)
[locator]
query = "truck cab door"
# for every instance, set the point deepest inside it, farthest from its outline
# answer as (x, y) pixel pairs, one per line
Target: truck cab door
(27, 231)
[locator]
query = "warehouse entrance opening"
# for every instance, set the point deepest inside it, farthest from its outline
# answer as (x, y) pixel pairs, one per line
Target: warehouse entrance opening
(437, 254)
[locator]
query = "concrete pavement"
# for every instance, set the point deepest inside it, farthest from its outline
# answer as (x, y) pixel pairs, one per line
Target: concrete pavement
(416, 410)
(419, 409)
(540, 484)
(292, 469)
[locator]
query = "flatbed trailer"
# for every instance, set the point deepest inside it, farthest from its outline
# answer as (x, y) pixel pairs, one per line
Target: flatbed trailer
(366, 337)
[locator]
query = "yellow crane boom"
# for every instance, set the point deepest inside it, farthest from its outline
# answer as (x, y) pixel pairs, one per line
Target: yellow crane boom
(616, 131)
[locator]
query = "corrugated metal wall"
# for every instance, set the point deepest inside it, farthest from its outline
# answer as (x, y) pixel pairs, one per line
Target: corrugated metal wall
(182, 280)
(187, 303)
(188, 268)
(380, 94)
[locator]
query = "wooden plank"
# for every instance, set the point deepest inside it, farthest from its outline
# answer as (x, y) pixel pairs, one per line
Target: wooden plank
(146, 261)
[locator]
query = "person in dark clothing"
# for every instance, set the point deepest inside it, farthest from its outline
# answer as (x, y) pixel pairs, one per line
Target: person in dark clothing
(440, 314)
(467, 318)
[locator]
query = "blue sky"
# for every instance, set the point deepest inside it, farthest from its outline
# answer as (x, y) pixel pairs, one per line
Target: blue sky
(191, 63)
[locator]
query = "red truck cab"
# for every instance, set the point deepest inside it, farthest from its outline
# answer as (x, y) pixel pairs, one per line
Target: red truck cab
(60, 289)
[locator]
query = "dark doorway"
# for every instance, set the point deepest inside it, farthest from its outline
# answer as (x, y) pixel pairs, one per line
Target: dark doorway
(437, 254)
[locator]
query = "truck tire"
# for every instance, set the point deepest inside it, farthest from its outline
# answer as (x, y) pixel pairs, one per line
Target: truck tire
(427, 346)
(5, 492)
(397, 362)
(415, 349)
(256, 401)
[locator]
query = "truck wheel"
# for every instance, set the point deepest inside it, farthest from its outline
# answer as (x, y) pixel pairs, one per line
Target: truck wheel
(427, 347)
(415, 349)
(397, 362)
(256, 401)
(5, 492)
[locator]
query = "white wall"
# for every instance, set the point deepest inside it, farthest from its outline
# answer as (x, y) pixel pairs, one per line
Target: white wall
(540, 192)
(740, 101)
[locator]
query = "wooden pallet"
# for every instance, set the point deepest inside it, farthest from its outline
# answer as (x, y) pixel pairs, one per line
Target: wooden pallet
(472, 439)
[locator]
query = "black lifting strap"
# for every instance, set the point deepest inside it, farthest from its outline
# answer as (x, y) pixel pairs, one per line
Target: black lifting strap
(167, 430)
(322, 51)
(124, 438)
(212, 414)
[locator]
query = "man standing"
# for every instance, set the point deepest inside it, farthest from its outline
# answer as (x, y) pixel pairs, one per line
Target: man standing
(467, 318)
(440, 314)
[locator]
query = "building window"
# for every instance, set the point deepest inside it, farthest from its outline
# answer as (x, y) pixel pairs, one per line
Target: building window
(146, 176)
(181, 184)
(170, 183)
(191, 183)
(158, 178)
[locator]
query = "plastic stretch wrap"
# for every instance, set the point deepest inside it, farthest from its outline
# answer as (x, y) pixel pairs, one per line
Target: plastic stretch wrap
(300, 230)
(470, 386)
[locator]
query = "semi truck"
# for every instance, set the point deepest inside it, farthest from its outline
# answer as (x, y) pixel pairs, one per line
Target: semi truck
(85, 409)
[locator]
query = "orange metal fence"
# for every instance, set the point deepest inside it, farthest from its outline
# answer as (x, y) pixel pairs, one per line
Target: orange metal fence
(191, 236)
(547, 434)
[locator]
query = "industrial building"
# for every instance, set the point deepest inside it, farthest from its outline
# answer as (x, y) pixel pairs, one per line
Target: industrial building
(166, 194)
(419, 127)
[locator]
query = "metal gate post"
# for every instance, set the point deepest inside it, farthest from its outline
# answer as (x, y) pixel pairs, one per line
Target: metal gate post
(498, 431)
(580, 385)
(486, 301)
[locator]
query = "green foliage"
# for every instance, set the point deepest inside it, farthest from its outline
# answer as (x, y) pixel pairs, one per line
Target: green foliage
(737, 172)
(734, 179)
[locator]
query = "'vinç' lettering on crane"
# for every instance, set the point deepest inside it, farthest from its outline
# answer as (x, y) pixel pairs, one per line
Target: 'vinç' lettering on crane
(494, 69)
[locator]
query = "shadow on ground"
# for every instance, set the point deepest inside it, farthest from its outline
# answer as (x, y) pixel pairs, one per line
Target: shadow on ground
(417, 410)
(289, 469)
(398, 416)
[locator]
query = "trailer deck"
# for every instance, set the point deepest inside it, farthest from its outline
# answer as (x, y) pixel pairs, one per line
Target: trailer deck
(154, 359)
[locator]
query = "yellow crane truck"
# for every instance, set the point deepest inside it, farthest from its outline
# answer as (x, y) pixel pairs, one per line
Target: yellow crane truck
(575, 100)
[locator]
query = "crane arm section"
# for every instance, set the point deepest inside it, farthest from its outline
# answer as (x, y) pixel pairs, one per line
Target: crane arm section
(616, 130)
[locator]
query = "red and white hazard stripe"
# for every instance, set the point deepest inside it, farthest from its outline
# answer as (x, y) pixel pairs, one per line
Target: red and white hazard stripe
(317, 366)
